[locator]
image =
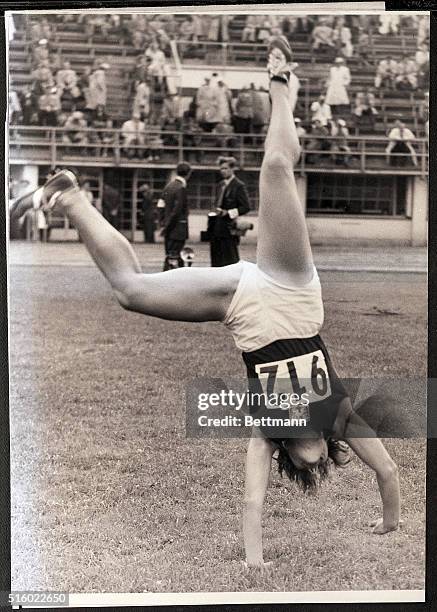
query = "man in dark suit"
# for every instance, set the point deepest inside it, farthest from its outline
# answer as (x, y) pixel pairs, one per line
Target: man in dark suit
(111, 204)
(232, 201)
(175, 216)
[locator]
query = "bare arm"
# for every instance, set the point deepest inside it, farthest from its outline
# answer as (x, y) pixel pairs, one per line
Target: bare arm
(373, 453)
(258, 463)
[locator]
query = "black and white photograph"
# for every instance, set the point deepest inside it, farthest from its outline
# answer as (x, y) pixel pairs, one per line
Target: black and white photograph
(217, 260)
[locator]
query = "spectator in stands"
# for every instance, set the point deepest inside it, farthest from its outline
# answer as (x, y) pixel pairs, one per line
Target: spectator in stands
(40, 29)
(97, 86)
(362, 49)
(42, 78)
(269, 22)
(84, 79)
(243, 115)
(141, 71)
(423, 30)
(41, 52)
(186, 34)
(224, 28)
(137, 29)
(72, 99)
(366, 22)
(300, 130)
(99, 120)
(340, 146)
(305, 24)
(248, 33)
(141, 103)
(224, 99)
(339, 79)
(400, 138)
(422, 55)
(29, 108)
(133, 133)
(14, 108)
(207, 106)
(97, 22)
(49, 107)
(158, 93)
(386, 73)
(261, 109)
(343, 38)
(172, 109)
(158, 62)
(288, 27)
(76, 129)
(198, 29)
(389, 23)
(66, 78)
(191, 138)
(365, 112)
(321, 111)
(323, 39)
(214, 28)
(406, 77)
(318, 143)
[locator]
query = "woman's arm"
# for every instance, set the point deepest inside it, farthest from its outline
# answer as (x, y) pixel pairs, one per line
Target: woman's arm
(258, 463)
(373, 453)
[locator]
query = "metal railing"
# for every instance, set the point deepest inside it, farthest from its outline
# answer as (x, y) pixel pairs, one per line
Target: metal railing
(56, 146)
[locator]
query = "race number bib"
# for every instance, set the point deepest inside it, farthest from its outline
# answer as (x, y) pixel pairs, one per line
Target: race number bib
(303, 379)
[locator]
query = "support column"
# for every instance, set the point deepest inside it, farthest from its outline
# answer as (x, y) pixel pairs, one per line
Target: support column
(134, 204)
(419, 220)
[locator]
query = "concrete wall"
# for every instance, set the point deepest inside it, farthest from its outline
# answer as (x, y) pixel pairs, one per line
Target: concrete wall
(419, 204)
(332, 230)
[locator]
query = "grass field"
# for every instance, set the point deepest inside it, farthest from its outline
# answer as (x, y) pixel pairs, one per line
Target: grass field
(109, 495)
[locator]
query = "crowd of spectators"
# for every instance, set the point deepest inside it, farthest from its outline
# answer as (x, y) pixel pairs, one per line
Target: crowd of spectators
(61, 96)
(137, 29)
(407, 74)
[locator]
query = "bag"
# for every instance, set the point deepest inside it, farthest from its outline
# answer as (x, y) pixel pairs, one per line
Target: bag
(240, 226)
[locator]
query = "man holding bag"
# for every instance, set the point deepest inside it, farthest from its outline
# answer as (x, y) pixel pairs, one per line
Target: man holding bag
(232, 202)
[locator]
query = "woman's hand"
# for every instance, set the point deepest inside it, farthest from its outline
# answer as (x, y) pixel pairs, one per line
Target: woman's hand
(258, 565)
(379, 528)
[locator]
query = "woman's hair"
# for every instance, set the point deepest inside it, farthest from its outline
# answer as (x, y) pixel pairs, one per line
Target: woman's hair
(308, 479)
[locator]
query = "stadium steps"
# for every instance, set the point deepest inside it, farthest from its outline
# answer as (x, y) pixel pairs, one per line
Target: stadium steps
(73, 44)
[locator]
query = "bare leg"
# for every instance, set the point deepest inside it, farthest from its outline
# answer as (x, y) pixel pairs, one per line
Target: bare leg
(186, 294)
(284, 250)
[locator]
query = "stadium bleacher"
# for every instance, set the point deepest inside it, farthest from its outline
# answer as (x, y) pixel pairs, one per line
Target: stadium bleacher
(71, 42)
(379, 188)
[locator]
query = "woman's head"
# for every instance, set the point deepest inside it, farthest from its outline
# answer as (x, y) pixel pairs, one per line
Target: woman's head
(306, 453)
(304, 460)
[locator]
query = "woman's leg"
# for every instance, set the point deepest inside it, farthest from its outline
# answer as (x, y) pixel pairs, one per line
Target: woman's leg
(186, 294)
(284, 250)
